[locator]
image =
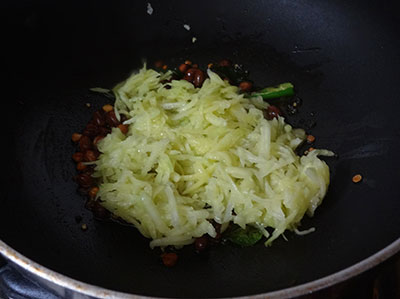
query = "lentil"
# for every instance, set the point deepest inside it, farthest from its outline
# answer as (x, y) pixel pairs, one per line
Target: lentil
(225, 62)
(111, 119)
(76, 137)
(98, 118)
(199, 78)
(158, 64)
(99, 211)
(357, 178)
(201, 243)
(169, 259)
(77, 157)
(108, 108)
(90, 156)
(272, 112)
(124, 128)
(97, 139)
(84, 180)
(310, 138)
(246, 86)
(93, 191)
(91, 130)
(81, 166)
(183, 67)
(85, 143)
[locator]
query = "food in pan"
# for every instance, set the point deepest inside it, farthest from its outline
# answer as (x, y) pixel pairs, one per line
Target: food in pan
(186, 156)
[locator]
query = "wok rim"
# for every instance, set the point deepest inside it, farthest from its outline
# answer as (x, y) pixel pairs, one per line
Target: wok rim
(103, 293)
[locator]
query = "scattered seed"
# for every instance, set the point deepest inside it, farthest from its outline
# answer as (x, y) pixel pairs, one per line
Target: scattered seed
(297, 101)
(84, 226)
(149, 9)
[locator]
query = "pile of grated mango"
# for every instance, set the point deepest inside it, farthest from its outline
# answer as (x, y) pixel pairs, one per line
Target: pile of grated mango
(193, 155)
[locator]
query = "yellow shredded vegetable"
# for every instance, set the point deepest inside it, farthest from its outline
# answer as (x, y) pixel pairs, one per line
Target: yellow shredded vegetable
(190, 147)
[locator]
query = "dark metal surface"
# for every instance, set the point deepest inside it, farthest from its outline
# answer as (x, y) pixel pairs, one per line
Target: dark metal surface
(342, 57)
(382, 281)
(14, 285)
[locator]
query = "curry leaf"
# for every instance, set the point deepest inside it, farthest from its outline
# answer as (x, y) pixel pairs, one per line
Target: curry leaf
(244, 237)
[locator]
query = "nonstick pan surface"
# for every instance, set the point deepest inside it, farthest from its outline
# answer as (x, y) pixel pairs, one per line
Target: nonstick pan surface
(343, 59)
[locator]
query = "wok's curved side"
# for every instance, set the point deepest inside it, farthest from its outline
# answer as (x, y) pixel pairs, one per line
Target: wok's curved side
(63, 285)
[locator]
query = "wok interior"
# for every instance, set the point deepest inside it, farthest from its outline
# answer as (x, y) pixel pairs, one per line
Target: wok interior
(343, 59)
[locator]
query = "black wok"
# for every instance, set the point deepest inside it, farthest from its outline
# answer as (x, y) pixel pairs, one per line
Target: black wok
(342, 56)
